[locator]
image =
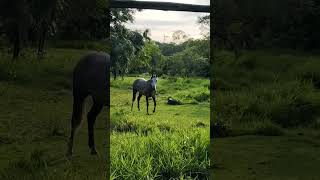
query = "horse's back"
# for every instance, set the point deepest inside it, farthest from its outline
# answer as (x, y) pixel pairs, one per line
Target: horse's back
(139, 84)
(90, 76)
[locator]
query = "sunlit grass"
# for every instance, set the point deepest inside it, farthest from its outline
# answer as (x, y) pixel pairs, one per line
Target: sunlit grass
(167, 144)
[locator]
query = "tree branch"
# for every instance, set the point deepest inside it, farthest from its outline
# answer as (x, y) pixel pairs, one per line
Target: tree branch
(166, 6)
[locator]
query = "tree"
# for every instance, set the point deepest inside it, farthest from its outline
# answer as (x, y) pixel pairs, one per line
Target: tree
(17, 20)
(83, 19)
(126, 45)
(179, 36)
(43, 13)
(148, 59)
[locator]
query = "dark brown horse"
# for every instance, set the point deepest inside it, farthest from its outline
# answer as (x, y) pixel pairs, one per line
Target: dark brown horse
(90, 78)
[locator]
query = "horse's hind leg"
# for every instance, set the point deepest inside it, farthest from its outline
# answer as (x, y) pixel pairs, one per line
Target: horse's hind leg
(92, 115)
(134, 92)
(139, 101)
(75, 121)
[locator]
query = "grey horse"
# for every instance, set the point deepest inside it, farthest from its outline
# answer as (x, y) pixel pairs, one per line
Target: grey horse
(146, 88)
(90, 78)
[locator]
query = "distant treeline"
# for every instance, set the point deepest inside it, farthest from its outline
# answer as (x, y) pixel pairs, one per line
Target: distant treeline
(252, 24)
(190, 58)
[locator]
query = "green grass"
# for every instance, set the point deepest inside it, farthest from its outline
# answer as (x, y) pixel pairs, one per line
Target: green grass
(171, 143)
(268, 107)
(35, 113)
(266, 157)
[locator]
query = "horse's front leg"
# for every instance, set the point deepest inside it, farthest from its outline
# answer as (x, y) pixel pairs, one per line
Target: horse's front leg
(92, 115)
(147, 100)
(154, 103)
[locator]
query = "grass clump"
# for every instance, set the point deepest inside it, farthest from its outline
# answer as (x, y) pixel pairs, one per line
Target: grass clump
(35, 166)
(121, 123)
(194, 95)
(165, 156)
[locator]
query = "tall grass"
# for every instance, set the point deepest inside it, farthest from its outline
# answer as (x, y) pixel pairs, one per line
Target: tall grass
(160, 155)
(265, 87)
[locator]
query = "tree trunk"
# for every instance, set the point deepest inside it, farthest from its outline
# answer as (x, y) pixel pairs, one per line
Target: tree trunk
(108, 22)
(114, 73)
(17, 44)
(42, 37)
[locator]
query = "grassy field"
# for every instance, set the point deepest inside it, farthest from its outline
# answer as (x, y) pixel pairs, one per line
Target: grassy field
(268, 104)
(36, 105)
(266, 116)
(35, 113)
(171, 143)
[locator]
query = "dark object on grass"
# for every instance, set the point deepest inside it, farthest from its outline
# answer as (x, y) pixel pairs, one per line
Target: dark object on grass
(172, 101)
(219, 129)
(90, 78)
(146, 88)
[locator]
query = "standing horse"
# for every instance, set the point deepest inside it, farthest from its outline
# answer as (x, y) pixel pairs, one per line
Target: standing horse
(90, 78)
(146, 88)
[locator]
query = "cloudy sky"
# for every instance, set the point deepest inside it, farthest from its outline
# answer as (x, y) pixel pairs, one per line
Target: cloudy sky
(164, 23)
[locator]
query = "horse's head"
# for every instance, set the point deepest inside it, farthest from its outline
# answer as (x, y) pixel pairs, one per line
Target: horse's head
(154, 80)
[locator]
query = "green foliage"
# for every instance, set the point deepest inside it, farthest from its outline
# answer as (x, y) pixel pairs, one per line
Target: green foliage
(126, 46)
(86, 20)
(147, 59)
(251, 24)
(192, 58)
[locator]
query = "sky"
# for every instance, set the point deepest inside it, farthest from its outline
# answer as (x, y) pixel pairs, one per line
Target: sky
(164, 23)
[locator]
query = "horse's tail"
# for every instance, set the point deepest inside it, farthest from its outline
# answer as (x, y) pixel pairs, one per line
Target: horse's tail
(134, 92)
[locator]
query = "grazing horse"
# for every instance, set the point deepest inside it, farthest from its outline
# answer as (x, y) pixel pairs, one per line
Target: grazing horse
(146, 88)
(90, 78)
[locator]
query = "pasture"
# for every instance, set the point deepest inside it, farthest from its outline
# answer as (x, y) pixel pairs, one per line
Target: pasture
(35, 113)
(173, 142)
(268, 103)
